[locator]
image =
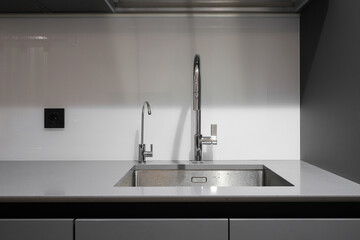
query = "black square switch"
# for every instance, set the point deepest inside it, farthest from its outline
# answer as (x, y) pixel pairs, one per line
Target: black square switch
(54, 117)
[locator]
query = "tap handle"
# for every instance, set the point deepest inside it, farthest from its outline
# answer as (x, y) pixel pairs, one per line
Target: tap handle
(214, 130)
(213, 136)
(149, 153)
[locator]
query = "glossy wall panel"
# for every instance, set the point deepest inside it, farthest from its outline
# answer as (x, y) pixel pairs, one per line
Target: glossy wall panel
(102, 68)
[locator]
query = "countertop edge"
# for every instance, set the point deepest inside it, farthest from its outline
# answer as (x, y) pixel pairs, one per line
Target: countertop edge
(110, 199)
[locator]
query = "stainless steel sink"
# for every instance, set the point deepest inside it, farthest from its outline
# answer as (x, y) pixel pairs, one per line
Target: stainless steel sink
(201, 175)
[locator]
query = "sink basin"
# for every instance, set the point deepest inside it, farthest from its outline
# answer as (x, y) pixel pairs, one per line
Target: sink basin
(201, 175)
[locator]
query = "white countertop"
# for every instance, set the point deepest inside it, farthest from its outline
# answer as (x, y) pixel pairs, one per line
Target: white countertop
(74, 181)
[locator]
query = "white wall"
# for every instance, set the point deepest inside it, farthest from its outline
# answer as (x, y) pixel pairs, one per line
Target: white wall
(102, 68)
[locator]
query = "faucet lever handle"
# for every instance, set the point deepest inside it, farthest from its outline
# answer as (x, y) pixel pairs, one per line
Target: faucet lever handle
(213, 130)
(212, 140)
(149, 153)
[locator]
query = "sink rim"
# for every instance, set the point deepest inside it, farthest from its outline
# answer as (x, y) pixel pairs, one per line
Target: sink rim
(203, 167)
(128, 180)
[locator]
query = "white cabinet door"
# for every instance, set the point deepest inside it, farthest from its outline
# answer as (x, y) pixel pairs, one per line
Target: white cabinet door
(36, 229)
(295, 229)
(152, 229)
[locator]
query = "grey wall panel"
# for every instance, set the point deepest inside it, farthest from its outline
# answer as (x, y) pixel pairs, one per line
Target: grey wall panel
(36, 229)
(294, 229)
(159, 229)
(330, 86)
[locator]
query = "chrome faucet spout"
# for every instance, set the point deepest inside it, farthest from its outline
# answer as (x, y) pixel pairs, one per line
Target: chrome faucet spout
(196, 84)
(199, 140)
(147, 104)
(142, 147)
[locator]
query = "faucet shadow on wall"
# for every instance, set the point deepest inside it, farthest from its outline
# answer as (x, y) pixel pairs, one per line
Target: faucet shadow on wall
(136, 143)
(179, 132)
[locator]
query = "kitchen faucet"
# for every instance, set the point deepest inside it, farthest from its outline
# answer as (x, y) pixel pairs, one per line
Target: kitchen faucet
(199, 140)
(142, 148)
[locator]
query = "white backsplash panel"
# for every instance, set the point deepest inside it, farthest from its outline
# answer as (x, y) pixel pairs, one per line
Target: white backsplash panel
(101, 68)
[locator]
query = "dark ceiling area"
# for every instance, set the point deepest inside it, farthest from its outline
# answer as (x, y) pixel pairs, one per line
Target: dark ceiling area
(150, 6)
(55, 6)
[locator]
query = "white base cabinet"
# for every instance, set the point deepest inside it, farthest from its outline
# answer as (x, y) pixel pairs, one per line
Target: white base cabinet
(156, 229)
(36, 229)
(294, 229)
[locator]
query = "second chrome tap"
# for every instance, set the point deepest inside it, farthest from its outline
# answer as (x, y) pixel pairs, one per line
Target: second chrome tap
(142, 147)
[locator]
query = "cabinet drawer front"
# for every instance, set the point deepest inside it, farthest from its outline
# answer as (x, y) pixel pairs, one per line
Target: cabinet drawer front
(157, 229)
(37, 229)
(294, 229)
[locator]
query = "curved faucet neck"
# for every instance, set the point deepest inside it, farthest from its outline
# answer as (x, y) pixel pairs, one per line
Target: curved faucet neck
(196, 84)
(142, 119)
(197, 109)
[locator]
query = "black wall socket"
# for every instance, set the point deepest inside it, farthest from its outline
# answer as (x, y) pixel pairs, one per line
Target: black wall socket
(54, 118)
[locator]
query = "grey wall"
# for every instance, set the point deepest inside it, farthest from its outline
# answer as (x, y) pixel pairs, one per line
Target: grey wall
(330, 86)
